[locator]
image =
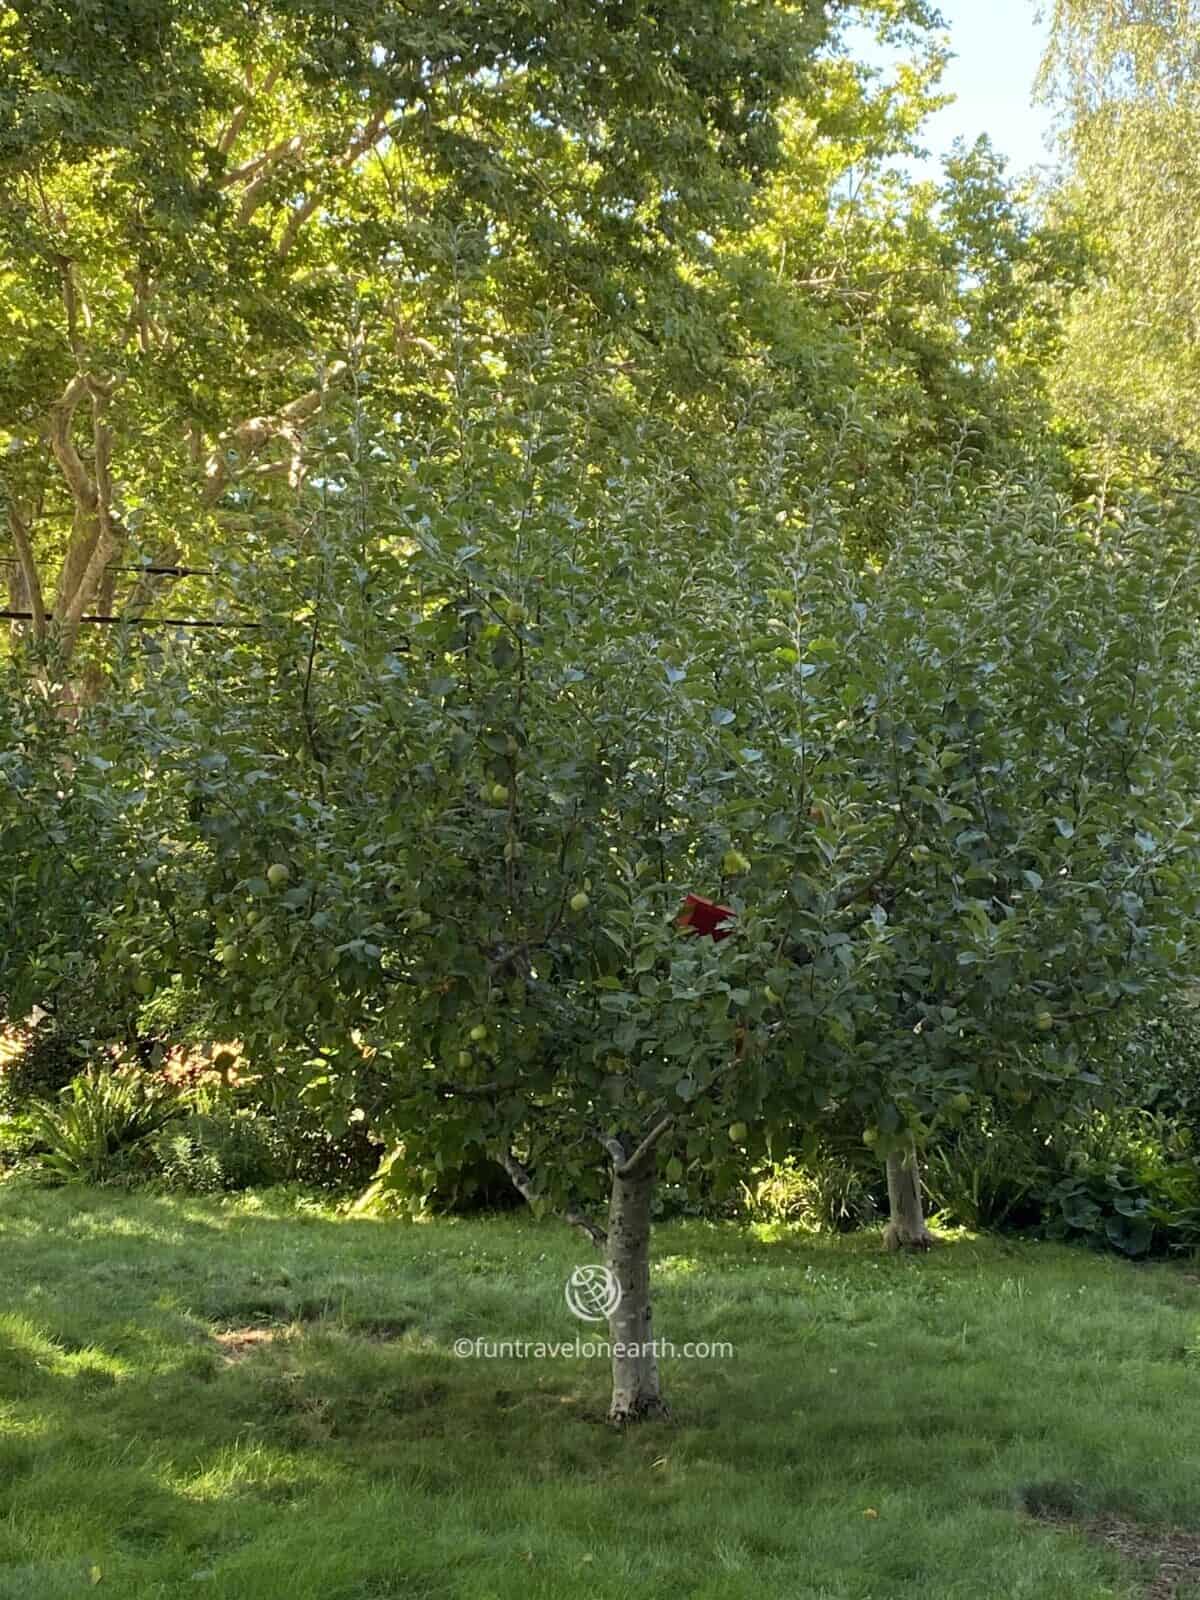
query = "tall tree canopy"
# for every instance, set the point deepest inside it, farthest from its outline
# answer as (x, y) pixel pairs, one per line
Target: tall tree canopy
(1126, 77)
(206, 208)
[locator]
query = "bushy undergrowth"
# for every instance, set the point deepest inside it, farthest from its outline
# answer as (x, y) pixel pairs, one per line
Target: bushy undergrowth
(180, 1121)
(188, 1122)
(37, 1061)
(1131, 1180)
(207, 1152)
(1125, 1178)
(823, 1191)
(100, 1125)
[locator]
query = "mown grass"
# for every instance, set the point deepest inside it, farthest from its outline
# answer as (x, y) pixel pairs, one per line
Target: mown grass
(150, 1445)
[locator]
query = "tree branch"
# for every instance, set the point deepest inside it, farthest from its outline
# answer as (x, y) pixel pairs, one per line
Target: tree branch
(645, 1150)
(616, 1150)
(62, 413)
(105, 541)
(250, 435)
(370, 136)
(249, 169)
(237, 121)
(29, 572)
(878, 879)
(525, 1185)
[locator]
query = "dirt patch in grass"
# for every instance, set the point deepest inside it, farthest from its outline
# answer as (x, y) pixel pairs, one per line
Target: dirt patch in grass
(236, 1344)
(1174, 1556)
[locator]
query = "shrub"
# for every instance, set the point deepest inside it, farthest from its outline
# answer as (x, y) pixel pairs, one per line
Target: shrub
(822, 1190)
(990, 1173)
(100, 1128)
(1157, 1067)
(1129, 1179)
(211, 1152)
(401, 1185)
(18, 1139)
(43, 1060)
(1125, 1179)
(343, 1161)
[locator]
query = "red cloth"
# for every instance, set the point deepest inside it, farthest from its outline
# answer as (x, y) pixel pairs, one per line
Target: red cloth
(705, 916)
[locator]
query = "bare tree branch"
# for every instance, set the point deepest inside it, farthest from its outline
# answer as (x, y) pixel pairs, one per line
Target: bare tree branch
(138, 320)
(238, 120)
(645, 1150)
(616, 1151)
(375, 130)
(85, 528)
(107, 537)
(29, 571)
(252, 434)
(525, 1185)
(248, 169)
(62, 413)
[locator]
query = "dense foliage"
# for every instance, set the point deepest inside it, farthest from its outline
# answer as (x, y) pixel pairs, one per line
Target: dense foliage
(604, 477)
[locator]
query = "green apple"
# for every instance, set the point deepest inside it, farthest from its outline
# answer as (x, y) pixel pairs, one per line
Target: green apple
(961, 1102)
(770, 996)
(580, 901)
(739, 1132)
(1043, 1022)
(870, 1136)
(733, 862)
(143, 983)
(465, 1058)
(479, 1032)
(278, 874)
(499, 794)
(226, 954)
(515, 614)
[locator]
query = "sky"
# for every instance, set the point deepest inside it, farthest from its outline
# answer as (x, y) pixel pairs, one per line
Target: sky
(998, 46)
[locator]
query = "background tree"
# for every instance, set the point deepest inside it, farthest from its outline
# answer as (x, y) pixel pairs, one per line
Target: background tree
(1126, 79)
(217, 211)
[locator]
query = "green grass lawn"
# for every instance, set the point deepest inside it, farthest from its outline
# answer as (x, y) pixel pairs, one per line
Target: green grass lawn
(253, 1399)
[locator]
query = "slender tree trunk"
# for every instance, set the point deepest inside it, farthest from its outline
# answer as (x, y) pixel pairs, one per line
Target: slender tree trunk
(906, 1230)
(635, 1387)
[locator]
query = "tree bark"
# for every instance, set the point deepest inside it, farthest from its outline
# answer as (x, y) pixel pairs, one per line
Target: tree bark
(635, 1387)
(906, 1229)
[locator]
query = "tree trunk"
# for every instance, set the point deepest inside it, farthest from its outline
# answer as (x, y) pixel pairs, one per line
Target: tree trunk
(635, 1390)
(906, 1230)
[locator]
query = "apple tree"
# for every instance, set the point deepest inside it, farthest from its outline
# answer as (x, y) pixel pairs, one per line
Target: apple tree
(427, 841)
(976, 826)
